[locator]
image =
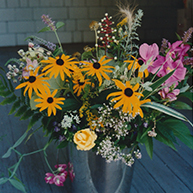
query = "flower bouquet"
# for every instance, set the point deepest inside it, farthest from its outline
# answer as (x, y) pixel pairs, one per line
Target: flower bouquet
(113, 96)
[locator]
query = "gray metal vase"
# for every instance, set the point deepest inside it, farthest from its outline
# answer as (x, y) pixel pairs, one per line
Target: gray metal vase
(94, 175)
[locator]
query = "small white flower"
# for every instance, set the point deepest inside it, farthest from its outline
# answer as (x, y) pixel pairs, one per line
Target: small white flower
(152, 134)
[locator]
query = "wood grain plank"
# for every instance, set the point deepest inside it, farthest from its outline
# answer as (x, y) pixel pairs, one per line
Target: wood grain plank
(176, 164)
(163, 175)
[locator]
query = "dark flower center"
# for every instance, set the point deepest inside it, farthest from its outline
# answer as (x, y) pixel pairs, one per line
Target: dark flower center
(140, 62)
(80, 83)
(96, 65)
(128, 92)
(32, 79)
(50, 100)
(60, 62)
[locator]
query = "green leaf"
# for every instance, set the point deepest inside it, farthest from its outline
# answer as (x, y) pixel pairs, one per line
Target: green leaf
(33, 103)
(3, 180)
(2, 69)
(18, 185)
(8, 153)
(135, 80)
(96, 106)
(21, 111)
(160, 137)
(145, 65)
(13, 60)
(59, 24)
(70, 104)
(156, 84)
(2, 87)
(62, 144)
(184, 88)
(4, 81)
(103, 95)
(27, 114)
(178, 36)
(165, 131)
(45, 29)
(47, 124)
(57, 51)
(188, 95)
(9, 100)
(11, 86)
(86, 55)
(14, 107)
(148, 141)
(55, 83)
(181, 131)
(166, 110)
(5, 93)
(143, 138)
(19, 141)
(181, 105)
(33, 120)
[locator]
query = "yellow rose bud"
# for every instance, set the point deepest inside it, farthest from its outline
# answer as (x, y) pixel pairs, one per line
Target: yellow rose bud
(85, 139)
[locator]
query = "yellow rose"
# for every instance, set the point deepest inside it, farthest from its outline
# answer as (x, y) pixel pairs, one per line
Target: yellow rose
(85, 139)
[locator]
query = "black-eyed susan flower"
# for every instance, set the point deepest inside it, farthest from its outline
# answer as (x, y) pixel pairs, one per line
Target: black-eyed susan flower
(98, 69)
(34, 82)
(80, 83)
(136, 64)
(59, 65)
(47, 101)
(137, 109)
(127, 97)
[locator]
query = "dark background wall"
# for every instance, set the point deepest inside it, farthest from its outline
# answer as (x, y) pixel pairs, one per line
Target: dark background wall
(22, 18)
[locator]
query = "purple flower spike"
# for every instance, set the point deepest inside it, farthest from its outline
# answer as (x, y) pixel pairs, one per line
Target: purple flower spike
(48, 21)
(187, 34)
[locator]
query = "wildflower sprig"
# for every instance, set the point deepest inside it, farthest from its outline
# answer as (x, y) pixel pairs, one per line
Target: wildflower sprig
(51, 26)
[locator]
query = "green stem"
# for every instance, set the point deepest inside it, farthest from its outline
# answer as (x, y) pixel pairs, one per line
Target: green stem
(16, 167)
(17, 152)
(33, 152)
(58, 40)
(21, 157)
(45, 156)
(96, 44)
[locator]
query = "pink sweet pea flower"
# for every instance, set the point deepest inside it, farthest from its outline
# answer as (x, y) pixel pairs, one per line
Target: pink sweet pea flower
(61, 167)
(59, 180)
(71, 171)
(49, 178)
(165, 94)
(148, 52)
(177, 50)
(30, 66)
(154, 66)
(177, 76)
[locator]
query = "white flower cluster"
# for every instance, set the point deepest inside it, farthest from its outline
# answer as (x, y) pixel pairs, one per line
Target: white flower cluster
(117, 124)
(69, 118)
(110, 152)
(34, 53)
(14, 71)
